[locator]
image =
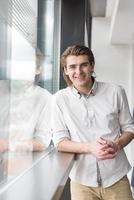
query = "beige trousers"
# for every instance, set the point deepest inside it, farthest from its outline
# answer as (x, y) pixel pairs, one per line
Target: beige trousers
(118, 191)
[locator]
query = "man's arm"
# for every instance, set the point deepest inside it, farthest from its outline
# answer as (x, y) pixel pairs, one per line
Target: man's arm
(123, 140)
(67, 145)
(118, 144)
(38, 145)
(100, 148)
(3, 145)
(27, 145)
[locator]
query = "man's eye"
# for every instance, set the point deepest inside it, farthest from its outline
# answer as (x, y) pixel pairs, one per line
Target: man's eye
(72, 66)
(85, 64)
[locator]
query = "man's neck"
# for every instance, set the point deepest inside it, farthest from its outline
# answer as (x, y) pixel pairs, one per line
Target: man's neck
(85, 89)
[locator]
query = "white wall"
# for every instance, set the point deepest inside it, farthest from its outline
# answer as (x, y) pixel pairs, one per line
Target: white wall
(131, 146)
(114, 63)
(132, 76)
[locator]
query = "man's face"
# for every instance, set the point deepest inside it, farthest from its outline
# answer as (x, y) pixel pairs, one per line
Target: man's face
(79, 70)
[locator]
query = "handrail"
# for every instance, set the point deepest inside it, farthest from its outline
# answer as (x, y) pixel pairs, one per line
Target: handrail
(44, 179)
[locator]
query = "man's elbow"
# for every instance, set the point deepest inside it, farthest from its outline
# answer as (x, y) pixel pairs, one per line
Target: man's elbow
(61, 146)
(38, 145)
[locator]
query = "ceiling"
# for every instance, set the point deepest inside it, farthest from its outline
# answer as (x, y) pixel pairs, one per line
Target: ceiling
(122, 18)
(122, 28)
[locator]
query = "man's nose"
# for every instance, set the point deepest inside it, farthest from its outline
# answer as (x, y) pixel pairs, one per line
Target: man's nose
(78, 69)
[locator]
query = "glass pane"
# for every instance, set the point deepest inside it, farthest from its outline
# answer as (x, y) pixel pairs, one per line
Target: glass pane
(48, 42)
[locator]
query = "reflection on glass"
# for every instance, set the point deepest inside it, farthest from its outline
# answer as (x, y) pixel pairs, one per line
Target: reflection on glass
(13, 164)
(24, 116)
(24, 106)
(4, 114)
(28, 129)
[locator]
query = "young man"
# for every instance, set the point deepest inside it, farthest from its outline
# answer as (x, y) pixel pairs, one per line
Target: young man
(92, 119)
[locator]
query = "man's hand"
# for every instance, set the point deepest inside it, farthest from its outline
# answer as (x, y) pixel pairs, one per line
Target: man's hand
(3, 145)
(104, 149)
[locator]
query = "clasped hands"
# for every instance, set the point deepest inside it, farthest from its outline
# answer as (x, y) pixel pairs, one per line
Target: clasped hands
(104, 149)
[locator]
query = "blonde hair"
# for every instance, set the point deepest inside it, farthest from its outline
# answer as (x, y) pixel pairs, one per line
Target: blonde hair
(75, 50)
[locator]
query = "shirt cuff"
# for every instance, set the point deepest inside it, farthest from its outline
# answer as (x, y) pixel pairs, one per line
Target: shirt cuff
(59, 136)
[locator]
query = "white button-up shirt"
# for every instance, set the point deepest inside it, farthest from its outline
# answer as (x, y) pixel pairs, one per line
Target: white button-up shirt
(29, 115)
(102, 113)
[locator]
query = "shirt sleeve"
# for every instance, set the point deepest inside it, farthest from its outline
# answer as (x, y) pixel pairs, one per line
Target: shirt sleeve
(59, 128)
(43, 127)
(125, 118)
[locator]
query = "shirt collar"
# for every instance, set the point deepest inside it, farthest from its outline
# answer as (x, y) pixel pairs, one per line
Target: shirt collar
(91, 92)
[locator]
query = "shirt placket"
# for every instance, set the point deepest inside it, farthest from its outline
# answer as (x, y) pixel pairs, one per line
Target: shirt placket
(99, 179)
(89, 110)
(90, 122)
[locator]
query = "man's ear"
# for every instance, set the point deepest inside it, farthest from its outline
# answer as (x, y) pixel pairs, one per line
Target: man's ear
(65, 71)
(92, 65)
